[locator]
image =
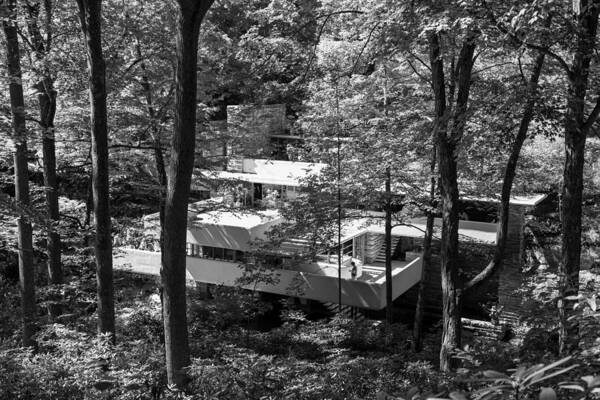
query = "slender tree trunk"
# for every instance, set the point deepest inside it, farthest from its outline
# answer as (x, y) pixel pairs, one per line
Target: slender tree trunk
(449, 305)
(17, 106)
(47, 106)
(451, 334)
(447, 145)
(389, 309)
(89, 199)
(509, 176)
(90, 18)
(426, 261)
(173, 270)
(576, 129)
(159, 160)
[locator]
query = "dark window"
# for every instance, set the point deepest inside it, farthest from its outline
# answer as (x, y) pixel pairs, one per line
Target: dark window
(229, 255)
(208, 252)
(216, 253)
(240, 256)
(258, 191)
(347, 248)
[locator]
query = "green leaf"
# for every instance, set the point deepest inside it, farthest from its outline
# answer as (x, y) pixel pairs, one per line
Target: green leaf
(520, 373)
(552, 375)
(494, 374)
(591, 381)
(385, 396)
(547, 394)
(547, 368)
(412, 392)
(592, 303)
(458, 396)
(573, 386)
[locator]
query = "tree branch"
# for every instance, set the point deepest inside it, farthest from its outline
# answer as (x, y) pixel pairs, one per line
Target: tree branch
(416, 72)
(509, 175)
(543, 49)
(314, 52)
(592, 117)
(420, 60)
(363, 48)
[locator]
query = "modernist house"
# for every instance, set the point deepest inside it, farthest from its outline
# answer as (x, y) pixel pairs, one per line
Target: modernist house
(222, 232)
(220, 243)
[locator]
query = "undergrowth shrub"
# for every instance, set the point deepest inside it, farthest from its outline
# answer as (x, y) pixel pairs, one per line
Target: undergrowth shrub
(75, 365)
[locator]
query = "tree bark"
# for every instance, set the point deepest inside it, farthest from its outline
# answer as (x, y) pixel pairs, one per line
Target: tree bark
(576, 128)
(47, 106)
(389, 309)
(25, 243)
(426, 264)
(89, 198)
(451, 332)
(91, 27)
(173, 270)
(447, 149)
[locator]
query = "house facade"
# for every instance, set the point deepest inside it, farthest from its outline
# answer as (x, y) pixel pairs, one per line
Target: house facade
(223, 232)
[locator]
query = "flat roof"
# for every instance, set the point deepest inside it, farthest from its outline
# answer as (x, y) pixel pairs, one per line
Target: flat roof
(238, 219)
(274, 172)
(528, 201)
(193, 208)
(478, 231)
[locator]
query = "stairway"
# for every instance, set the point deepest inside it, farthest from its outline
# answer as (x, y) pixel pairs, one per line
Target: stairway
(381, 254)
(353, 313)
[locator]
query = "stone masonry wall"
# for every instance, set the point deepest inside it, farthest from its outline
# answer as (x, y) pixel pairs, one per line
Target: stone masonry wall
(501, 290)
(250, 128)
(375, 242)
(510, 276)
(470, 264)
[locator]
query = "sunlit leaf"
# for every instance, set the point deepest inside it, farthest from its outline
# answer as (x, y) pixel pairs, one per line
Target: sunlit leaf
(547, 394)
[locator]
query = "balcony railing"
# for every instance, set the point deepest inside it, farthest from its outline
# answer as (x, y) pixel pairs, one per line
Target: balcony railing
(316, 282)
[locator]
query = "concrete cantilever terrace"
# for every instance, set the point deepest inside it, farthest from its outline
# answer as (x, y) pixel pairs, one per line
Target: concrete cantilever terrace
(234, 231)
(219, 241)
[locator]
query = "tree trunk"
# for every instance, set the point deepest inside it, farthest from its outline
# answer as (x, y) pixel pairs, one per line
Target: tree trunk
(576, 129)
(447, 145)
(451, 333)
(89, 199)
(90, 18)
(17, 106)
(509, 176)
(159, 160)
(389, 309)
(426, 261)
(47, 105)
(173, 270)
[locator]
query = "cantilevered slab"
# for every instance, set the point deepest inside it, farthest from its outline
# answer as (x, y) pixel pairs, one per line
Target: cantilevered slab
(231, 230)
(483, 232)
(367, 292)
(527, 201)
(271, 172)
